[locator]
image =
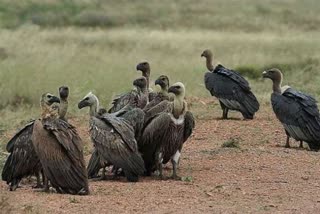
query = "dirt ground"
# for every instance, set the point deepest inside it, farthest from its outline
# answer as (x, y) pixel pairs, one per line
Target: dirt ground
(261, 176)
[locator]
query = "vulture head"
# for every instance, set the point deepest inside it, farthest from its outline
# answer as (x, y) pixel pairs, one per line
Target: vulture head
(178, 90)
(64, 92)
(144, 67)
(162, 81)
(48, 107)
(207, 54)
(274, 74)
(89, 100)
(140, 83)
(48, 99)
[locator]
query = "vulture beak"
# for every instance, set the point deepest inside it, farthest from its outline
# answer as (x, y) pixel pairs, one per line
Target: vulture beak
(82, 104)
(54, 99)
(173, 90)
(202, 55)
(64, 92)
(158, 82)
(138, 67)
(265, 74)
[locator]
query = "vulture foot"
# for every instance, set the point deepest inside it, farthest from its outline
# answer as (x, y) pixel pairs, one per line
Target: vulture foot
(301, 144)
(175, 177)
(38, 186)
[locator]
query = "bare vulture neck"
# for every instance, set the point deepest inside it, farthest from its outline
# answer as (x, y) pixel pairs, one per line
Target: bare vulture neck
(63, 108)
(94, 107)
(209, 63)
(178, 106)
(49, 111)
(146, 74)
(164, 91)
(277, 86)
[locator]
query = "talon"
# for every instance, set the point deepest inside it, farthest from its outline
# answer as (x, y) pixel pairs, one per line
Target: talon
(38, 186)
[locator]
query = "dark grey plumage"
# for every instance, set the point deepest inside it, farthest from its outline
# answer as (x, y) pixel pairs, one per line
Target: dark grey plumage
(166, 131)
(114, 140)
(23, 160)
(232, 90)
(136, 98)
(298, 112)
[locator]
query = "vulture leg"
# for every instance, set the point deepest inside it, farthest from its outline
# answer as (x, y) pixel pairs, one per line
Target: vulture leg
(160, 166)
(287, 142)
(14, 185)
(175, 161)
(45, 183)
(224, 110)
(301, 144)
(39, 184)
(103, 175)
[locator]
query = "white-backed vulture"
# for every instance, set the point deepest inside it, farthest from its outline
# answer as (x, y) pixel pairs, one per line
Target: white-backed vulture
(114, 140)
(298, 112)
(136, 98)
(163, 94)
(60, 150)
(145, 69)
(232, 90)
(23, 160)
(165, 133)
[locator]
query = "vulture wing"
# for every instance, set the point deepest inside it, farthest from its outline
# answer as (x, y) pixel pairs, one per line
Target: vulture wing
(116, 143)
(131, 98)
(65, 166)
(189, 124)
(23, 160)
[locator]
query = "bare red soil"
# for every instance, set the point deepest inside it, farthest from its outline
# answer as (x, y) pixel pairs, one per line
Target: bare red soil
(259, 177)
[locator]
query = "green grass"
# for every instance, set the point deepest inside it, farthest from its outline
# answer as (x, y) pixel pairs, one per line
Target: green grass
(95, 46)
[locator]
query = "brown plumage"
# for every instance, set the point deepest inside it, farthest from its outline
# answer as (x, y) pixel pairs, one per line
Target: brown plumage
(114, 140)
(168, 127)
(60, 150)
(136, 98)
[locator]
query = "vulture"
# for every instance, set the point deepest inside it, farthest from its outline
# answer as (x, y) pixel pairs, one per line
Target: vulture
(63, 107)
(60, 150)
(144, 67)
(165, 133)
(298, 112)
(114, 140)
(23, 160)
(232, 90)
(163, 82)
(137, 97)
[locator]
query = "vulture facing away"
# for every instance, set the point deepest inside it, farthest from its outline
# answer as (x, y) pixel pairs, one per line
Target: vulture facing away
(136, 98)
(114, 140)
(232, 90)
(166, 131)
(298, 112)
(60, 150)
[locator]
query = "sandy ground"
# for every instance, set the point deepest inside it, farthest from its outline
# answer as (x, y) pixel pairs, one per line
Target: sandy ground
(259, 177)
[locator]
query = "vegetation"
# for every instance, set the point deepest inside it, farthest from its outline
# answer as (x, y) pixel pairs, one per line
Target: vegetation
(95, 45)
(231, 143)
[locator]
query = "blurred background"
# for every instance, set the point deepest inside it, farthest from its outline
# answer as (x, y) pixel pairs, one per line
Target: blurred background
(94, 45)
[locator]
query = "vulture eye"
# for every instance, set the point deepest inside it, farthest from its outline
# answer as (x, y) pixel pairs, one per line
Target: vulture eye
(87, 98)
(49, 96)
(177, 87)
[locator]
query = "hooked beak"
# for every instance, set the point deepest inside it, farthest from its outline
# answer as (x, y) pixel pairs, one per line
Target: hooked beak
(265, 74)
(63, 92)
(172, 89)
(158, 82)
(82, 104)
(54, 99)
(138, 67)
(202, 55)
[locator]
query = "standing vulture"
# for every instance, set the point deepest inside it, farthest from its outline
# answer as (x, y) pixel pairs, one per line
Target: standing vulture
(298, 112)
(136, 98)
(144, 67)
(232, 90)
(60, 150)
(165, 133)
(23, 160)
(163, 82)
(114, 140)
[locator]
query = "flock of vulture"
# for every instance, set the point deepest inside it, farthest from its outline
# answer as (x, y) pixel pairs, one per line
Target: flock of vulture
(142, 131)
